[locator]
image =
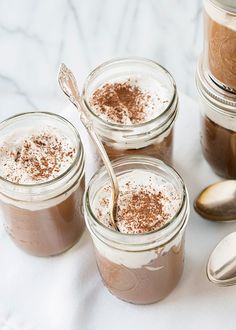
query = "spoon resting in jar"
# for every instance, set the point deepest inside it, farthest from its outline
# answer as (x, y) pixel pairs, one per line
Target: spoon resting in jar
(68, 85)
(217, 202)
(221, 267)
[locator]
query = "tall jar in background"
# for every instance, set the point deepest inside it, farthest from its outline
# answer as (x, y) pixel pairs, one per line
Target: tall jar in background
(220, 42)
(154, 135)
(218, 124)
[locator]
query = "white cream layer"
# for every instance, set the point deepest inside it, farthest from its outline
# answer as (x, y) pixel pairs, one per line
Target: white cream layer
(228, 122)
(136, 259)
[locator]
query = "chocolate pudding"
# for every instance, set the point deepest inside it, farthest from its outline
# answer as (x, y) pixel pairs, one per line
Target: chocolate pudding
(133, 106)
(49, 231)
(219, 148)
(41, 183)
(140, 263)
(220, 45)
(147, 284)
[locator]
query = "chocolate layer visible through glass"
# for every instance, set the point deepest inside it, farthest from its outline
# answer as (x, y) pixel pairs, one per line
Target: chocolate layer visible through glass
(147, 284)
(219, 148)
(47, 231)
(162, 150)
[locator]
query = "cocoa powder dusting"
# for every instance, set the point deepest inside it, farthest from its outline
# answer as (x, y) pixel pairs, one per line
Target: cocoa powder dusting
(140, 209)
(119, 101)
(40, 157)
(144, 211)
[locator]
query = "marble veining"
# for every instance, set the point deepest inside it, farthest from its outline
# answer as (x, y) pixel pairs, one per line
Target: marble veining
(35, 36)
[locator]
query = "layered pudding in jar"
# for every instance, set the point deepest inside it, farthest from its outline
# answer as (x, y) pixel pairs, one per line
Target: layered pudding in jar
(220, 41)
(142, 261)
(218, 124)
(132, 104)
(41, 182)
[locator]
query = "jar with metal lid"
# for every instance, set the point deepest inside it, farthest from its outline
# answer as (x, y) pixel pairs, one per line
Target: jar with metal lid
(218, 124)
(220, 41)
(116, 82)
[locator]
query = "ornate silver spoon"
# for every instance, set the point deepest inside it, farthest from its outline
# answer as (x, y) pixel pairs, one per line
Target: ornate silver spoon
(221, 267)
(218, 201)
(68, 85)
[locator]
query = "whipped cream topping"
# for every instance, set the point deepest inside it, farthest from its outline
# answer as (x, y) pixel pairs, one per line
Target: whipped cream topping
(35, 155)
(130, 101)
(227, 122)
(146, 202)
(139, 258)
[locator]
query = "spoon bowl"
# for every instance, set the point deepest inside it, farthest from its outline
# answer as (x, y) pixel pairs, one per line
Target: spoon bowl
(217, 202)
(221, 266)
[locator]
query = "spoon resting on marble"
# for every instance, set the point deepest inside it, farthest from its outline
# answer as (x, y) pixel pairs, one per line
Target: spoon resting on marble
(68, 85)
(217, 202)
(221, 266)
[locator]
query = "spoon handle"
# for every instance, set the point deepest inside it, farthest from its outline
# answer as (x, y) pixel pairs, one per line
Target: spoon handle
(69, 86)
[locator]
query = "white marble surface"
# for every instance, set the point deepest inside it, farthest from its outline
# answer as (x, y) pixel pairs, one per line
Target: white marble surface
(35, 36)
(58, 293)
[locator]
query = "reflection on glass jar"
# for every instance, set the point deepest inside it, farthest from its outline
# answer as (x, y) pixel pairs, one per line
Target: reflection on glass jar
(133, 106)
(143, 262)
(218, 124)
(42, 182)
(220, 41)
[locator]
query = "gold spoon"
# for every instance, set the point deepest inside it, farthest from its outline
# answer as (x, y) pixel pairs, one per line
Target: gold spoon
(221, 266)
(217, 202)
(68, 85)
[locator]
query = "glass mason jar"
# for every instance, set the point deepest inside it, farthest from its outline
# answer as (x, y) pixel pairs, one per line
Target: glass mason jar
(44, 219)
(220, 41)
(218, 124)
(151, 138)
(139, 268)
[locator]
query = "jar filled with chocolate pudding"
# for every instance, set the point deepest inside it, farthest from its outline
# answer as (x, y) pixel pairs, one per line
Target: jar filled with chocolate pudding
(143, 261)
(218, 124)
(220, 41)
(133, 105)
(41, 182)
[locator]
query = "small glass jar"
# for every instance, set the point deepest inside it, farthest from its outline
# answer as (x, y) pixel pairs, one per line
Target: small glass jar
(151, 138)
(218, 124)
(139, 268)
(46, 218)
(220, 41)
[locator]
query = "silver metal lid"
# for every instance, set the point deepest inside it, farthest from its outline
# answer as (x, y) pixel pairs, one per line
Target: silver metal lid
(220, 98)
(228, 5)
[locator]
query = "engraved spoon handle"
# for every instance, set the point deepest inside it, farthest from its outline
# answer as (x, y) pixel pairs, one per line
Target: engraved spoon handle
(68, 85)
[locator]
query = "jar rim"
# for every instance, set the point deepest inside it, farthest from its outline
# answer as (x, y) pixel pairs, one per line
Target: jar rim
(78, 157)
(226, 5)
(114, 61)
(136, 159)
(224, 101)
